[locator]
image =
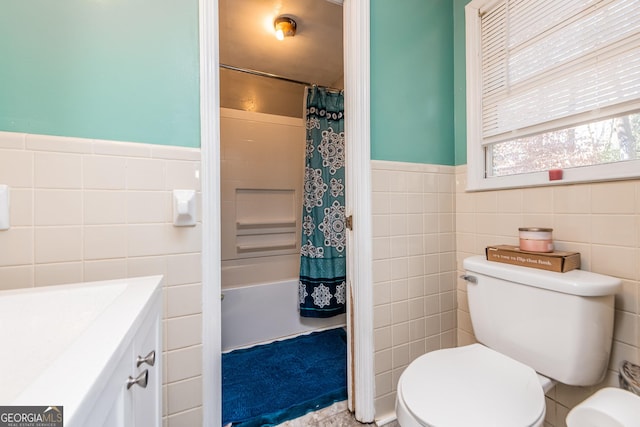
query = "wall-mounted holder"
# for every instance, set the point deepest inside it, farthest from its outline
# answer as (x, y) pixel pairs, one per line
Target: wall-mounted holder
(4, 207)
(184, 208)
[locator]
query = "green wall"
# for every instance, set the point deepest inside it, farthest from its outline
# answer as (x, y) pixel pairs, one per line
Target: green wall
(123, 70)
(127, 70)
(412, 81)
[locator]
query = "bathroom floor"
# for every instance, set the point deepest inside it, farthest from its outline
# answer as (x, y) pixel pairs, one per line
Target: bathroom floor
(336, 415)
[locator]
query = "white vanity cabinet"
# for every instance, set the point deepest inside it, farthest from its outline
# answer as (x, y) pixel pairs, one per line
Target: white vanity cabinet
(99, 331)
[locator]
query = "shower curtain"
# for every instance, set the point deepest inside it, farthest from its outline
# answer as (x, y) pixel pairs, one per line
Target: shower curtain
(322, 285)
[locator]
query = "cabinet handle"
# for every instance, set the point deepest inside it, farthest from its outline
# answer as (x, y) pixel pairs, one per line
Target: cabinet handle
(149, 359)
(141, 380)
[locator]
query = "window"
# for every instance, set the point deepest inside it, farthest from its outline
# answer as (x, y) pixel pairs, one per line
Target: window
(552, 84)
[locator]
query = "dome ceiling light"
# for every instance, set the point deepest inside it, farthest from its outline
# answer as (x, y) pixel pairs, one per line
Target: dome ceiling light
(284, 27)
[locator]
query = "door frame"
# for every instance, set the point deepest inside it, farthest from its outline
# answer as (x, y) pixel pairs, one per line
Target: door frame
(358, 197)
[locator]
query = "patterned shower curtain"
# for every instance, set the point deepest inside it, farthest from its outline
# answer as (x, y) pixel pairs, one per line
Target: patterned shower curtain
(322, 286)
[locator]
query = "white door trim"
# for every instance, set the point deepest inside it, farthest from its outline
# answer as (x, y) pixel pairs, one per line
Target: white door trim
(357, 131)
(358, 169)
(210, 176)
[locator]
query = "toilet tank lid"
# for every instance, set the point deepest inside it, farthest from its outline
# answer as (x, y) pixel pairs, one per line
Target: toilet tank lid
(575, 282)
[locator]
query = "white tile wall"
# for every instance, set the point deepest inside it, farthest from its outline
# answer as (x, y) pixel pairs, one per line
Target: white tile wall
(84, 210)
(599, 220)
(93, 210)
(57, 170)
(250, 140)
(413, 269)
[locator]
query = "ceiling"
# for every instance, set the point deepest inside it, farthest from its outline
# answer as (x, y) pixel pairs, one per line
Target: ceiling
(314, 55)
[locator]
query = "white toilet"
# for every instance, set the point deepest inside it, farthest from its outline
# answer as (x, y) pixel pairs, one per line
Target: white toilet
(535, 327)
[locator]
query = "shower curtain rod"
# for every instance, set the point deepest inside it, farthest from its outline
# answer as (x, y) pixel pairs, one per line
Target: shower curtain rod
(272, 76)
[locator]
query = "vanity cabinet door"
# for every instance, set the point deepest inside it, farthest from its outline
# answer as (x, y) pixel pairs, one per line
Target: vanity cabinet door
(121, 413)
(132, 393)
(116, 395)
(147, 402)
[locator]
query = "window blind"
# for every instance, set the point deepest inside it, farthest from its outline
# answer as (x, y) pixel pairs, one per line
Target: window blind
(551, 64)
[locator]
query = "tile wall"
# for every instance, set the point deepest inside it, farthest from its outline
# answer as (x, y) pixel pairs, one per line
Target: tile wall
(599, 220)
(84, 210)
(261, 176)
(414, 269)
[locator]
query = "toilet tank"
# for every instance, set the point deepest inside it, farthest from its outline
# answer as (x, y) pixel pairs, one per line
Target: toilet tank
(560, 324)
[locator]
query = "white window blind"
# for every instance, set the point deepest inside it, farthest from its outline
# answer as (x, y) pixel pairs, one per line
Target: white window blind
(550, 64)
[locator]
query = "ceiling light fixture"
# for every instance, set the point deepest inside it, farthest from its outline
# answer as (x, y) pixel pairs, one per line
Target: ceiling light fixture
(285, 27)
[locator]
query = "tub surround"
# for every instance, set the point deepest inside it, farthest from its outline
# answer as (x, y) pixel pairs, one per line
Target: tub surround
(74, 345)
(262, 168)
(261, 173)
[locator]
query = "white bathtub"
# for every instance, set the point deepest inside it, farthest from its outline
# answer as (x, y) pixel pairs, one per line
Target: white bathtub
(72, 346)
(266, 312)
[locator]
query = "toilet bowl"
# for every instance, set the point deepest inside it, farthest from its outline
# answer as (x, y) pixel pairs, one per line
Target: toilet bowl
(469, 386)
(608, 407)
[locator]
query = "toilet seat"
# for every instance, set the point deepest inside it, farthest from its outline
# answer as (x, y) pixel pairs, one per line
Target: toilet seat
(469, 386)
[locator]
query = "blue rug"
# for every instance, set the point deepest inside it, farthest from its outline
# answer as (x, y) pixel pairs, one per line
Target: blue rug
(268, 384)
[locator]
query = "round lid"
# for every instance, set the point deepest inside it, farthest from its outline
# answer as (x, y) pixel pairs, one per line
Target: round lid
(471, 386)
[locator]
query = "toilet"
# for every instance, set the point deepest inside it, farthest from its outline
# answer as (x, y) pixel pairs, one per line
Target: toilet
(534, 328)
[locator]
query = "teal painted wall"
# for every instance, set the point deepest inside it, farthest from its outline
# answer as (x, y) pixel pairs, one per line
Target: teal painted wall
(412, 81)
(124, 70)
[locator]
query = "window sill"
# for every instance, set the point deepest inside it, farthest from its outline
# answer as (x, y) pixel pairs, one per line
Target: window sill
(626, 170)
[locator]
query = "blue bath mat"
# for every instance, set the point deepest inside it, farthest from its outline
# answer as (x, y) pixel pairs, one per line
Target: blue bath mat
(268, 384)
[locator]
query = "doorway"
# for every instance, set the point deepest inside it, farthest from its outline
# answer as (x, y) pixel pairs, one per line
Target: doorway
(356, 23)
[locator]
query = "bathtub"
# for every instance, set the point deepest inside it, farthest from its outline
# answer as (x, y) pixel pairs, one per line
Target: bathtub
(266, 312)
(73, 346)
